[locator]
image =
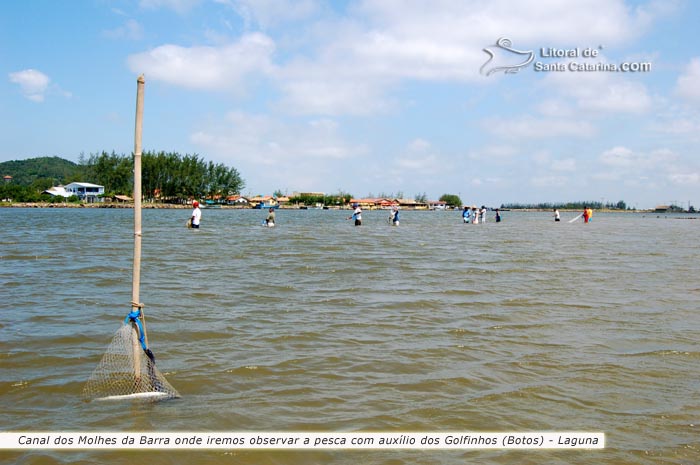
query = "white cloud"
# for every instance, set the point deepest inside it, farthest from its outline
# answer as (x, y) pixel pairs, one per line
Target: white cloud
(131, 30)
(419, 145)
(268, 141)
(312, 89)
(687, 84)
(648, 170)
(364, 58)
(350, 65)
(211, 68)
(549, 181)
(272, 153)
(613, 97)
(597, 92)
(567, 164)
(529, 127)
(619, 156)
(680, 126)
(384, 42)
(180, 6)
(623, 158)
(268, 13)
(544, 159)
(585, 21)
(554, 108)
(685, 178)
(426, 163)
(33, 84)
(494, 153)
(607, 176)
(418, 156)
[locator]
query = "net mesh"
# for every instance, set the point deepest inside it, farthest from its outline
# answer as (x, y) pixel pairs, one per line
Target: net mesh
(126, 370)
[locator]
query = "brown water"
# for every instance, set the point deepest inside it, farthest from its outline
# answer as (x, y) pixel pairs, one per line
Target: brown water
(316, 325)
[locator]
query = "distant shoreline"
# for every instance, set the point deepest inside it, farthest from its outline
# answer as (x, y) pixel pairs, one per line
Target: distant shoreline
(148, 205)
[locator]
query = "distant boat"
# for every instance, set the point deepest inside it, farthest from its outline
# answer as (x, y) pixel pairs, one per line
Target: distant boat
(211, 204)
(261, 205)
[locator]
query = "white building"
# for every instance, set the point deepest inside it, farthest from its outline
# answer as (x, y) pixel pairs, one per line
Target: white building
(85, 191)
(57, 191)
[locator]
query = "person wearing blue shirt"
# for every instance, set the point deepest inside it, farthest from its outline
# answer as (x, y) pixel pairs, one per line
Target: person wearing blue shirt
(394, 216)
(466, 214)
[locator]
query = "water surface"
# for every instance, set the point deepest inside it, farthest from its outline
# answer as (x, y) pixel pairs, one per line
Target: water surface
(317, 325)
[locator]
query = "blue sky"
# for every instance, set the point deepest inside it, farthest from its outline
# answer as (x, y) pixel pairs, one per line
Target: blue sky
(370, 97)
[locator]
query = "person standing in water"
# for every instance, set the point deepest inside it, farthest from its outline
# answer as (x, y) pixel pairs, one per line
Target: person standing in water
(498, 216)
(394, 216)
(556, 215)
(357, 215)
(270, 220)
(196, 215)
(587, 213)
(466, 214)
(475, 215)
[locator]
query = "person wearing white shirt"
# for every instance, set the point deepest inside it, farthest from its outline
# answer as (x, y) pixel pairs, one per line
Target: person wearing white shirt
(196, 215)
(357, 215)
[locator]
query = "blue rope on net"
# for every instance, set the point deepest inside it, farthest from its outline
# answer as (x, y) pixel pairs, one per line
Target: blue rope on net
(135, 317)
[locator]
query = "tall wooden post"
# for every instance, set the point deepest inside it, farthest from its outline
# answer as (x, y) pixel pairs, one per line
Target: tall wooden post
(136, 280)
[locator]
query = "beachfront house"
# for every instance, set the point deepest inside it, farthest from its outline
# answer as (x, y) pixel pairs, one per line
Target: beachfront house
(263, 201)
(437, 205)
(85, 191)
(367, 204)
(237, 200)
(384, 204)
(411, 204)
(121, 199)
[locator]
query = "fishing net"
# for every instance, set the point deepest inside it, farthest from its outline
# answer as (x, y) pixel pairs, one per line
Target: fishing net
(128, 370)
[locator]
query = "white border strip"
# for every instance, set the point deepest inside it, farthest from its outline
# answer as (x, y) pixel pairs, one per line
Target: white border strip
(298, 440)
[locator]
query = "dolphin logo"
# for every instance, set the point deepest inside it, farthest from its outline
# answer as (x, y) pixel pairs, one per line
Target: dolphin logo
(501, 54)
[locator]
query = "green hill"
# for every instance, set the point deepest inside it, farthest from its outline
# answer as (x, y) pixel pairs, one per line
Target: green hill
(45, 170)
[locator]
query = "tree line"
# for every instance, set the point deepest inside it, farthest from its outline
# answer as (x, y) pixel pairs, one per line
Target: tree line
(578, 205)
(168, 177)
(453, 200)
(342, 198)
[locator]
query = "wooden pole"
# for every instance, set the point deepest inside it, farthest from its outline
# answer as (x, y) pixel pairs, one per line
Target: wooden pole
(136, 281)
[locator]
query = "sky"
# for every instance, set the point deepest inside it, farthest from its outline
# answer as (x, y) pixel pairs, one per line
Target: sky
(496, 101)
